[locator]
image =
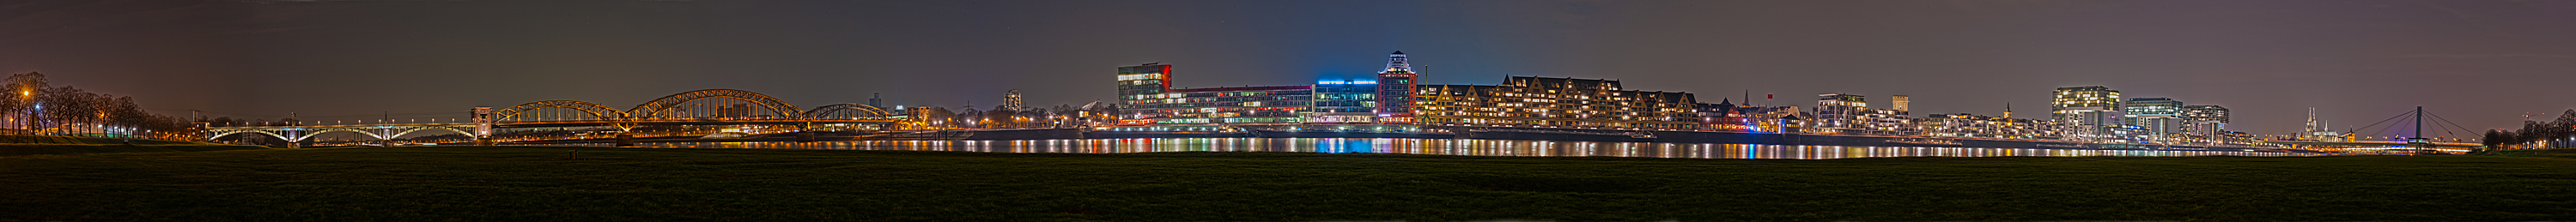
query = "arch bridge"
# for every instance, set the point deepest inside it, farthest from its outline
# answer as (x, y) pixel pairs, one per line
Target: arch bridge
(701, 107)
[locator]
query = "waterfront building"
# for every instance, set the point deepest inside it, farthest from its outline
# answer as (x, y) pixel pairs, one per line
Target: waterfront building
(2205, 113)
(1140, 82)
(1888, 122)
(2085, 96)
(1395, 89)
(2159, 119)
(1770, 119)
(1970, 125)
(1223, 105)
(1850, 114)
(2152, 106)
(1146, 97)
(1724, 115)
(2092, 123)
(2205, 120)
(2159, 127)
(1344, 101)
(1836, 113)
(1555, 102)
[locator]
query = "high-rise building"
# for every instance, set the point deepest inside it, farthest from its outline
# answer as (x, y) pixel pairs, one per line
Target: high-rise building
(2205, 120)
(1970, 125)
(1901, 103)
(2159, 127)
(876, 100)
(2153, 106)
(1395, 90)
(2092, 122)
(2085, 96)
(2211, 113)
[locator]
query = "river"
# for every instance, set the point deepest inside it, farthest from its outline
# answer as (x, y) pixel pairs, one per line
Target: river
(1467, 147)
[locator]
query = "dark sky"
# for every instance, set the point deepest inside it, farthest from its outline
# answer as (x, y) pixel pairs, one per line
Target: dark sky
(2480, 63)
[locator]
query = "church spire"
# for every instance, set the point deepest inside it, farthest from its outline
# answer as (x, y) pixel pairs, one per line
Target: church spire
(2007, 110)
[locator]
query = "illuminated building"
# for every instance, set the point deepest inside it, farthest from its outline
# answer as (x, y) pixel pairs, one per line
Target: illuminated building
(1011, 101)
(1395, 90)
(1724, 115)
(2152, 106)
(1850, 114)
(2087, 96)
(2209, 113)
(1555, 102)
(1839, 112)
(2092, 123)
(1135, 82)
(2159, 117)
(2160, 127)
(1146, 97)
(1344, 101)
(1902, 103)
(1257, 104)
(876, 100)
(1967, 125)
(2207, 120)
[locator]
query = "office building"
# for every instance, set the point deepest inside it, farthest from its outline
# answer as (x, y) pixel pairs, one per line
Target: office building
(1344, 101)
(1970, 125)
(2152, 106)
(1555, 102)
(1838, 112)
(2086, 96)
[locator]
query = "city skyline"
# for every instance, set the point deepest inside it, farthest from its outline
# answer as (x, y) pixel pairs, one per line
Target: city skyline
(336, 58)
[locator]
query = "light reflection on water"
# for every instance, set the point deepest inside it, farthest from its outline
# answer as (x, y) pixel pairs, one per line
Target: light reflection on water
(1468, 147)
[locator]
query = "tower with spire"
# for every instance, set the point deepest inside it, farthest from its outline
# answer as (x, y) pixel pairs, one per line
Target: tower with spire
(1395, 90)
(2007, 110)
(1011, 101)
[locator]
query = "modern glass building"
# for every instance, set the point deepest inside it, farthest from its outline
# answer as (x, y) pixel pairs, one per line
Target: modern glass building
(1344, 101)
(1257, 105)
(2085, 96)
(2152, 106)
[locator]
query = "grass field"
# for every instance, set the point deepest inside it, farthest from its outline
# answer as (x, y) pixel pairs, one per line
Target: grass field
(17, 145)
(525, 183)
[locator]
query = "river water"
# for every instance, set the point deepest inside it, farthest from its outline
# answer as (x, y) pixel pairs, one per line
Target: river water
(1468, 147)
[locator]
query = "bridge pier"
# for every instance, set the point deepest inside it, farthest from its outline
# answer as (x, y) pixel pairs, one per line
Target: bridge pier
(625, 139)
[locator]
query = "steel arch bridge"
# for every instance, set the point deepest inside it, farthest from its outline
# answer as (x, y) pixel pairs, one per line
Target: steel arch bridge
(701, 107)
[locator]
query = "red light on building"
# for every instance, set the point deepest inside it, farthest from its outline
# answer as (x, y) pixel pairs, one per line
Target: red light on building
(1135, 121)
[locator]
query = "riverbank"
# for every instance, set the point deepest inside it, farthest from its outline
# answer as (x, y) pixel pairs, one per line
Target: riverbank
(541, 183)
(17, 145)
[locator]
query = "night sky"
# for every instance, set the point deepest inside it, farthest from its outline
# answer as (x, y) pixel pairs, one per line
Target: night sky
(2480, 63)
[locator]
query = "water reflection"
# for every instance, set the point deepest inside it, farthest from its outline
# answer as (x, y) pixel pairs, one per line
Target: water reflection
(1468, 147)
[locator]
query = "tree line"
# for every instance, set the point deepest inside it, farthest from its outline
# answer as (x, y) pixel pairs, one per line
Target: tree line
(35, 107)
(2535, 134)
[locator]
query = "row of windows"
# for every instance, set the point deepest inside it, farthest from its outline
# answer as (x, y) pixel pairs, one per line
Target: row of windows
(1559, 123)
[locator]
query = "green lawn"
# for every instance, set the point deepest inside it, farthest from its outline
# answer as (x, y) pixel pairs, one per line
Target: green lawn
(17, 145)
(525, 183)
